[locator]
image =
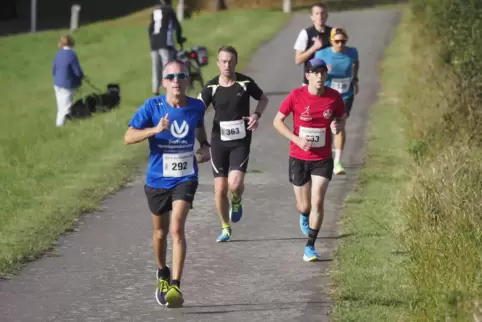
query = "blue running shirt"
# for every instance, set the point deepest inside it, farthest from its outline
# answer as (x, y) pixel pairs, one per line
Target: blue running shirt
(172, 158)
(340, 69)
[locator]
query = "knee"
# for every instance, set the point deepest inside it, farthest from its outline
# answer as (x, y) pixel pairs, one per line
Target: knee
(221, 189)
(235, 184)
(160, 234)
(177, 232)
(317, 205)
(303, 206)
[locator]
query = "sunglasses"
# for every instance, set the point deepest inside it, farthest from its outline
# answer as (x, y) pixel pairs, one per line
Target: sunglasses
(343, 41)
(179, 76)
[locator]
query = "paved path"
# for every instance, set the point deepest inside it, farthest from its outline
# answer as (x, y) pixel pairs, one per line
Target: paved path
(106, 270)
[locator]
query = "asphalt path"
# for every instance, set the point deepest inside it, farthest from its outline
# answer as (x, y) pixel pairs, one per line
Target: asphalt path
(105, 271)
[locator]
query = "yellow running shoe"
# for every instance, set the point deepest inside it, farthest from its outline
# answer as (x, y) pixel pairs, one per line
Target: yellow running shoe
(338, 169)
(174, 297)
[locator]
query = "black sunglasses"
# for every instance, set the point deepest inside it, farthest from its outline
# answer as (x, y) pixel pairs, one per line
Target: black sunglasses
(179, 76)
(339, 41)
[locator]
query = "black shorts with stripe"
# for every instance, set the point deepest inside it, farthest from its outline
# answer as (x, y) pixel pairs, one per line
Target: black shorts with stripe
(227, 157)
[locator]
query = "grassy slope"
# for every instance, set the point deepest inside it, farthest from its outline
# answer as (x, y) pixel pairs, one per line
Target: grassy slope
(370, 282)
(49, 175)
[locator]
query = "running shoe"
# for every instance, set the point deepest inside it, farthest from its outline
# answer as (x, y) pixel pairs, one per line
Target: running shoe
(225, 235)
(310, 254)
(162, 287)
(236, 210)
(174, 297)
(338, 169)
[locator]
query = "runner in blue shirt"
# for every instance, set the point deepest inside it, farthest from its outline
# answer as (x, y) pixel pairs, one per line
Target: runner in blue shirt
(343, 65)
(171, 123)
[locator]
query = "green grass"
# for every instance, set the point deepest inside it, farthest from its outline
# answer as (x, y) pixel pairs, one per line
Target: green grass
(370, 282)
(49, 176)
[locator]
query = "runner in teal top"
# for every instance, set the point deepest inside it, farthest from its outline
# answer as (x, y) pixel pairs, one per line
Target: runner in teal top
(343, 67)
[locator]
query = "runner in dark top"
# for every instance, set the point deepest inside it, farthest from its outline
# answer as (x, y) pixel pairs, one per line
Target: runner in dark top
(313, 38)
(229, 93)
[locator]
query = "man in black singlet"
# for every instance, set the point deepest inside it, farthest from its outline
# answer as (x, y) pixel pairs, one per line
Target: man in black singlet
(229, 93)
(313, 38)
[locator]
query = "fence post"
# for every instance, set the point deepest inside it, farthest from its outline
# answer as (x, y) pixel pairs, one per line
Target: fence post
(33, 15)
(74, 17)
(180, 10)
(286, 6)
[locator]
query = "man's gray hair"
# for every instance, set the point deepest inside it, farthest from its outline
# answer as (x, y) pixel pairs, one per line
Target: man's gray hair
(172, 62)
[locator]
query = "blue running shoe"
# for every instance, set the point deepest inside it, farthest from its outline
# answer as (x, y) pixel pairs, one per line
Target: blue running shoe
(236, 210)
(162, 288)
(225, 235)
(305, 224)
(310, 254)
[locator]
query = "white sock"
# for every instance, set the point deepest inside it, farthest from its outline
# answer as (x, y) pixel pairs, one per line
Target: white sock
(338, 155)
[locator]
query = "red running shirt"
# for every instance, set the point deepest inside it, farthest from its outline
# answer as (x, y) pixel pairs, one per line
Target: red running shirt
(312, 116)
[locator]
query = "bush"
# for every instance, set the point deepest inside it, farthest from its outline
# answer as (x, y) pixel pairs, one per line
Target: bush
(443, 116)
(454, 29)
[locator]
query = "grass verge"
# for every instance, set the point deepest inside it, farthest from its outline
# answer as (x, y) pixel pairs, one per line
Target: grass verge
(370, 283)
(50, 176)
(443, 208)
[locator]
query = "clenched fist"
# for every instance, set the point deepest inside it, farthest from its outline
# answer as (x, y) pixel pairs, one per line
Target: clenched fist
(203, 155)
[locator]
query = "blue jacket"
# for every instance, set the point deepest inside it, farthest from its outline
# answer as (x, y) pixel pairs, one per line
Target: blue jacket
(66, 69)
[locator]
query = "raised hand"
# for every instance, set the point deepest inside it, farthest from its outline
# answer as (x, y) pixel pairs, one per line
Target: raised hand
(163, 124)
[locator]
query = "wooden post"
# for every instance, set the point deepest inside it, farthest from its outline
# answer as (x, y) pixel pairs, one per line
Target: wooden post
(180, 10)
(33, 15)
(220, 5)
(286, 6)
(74, 17)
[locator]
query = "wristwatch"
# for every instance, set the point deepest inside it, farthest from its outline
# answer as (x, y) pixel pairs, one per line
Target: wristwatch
(355, 79)
(205, 143)
(259, 114)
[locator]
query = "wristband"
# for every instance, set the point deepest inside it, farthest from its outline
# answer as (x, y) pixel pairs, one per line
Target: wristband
(355, 79)
(259, 114)
(204, 143)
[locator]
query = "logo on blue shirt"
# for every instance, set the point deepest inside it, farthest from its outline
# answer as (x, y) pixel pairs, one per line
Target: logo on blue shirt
(179, 132)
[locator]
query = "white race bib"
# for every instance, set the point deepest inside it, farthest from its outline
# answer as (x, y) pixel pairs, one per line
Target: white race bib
(342, 85)
(232, 130)
(178, 164)
(317, 136)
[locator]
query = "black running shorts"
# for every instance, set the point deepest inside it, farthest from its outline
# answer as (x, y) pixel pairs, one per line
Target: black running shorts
(225, 158)
(349, 105)
(160, 200)
(300, 171)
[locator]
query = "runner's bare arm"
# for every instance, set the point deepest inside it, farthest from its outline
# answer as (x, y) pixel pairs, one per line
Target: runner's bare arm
(302, 56)
(356, 68)
(133, 135)
(341, 121)
(201, 135)
(282, 128)
(302, 52)
(262, 103)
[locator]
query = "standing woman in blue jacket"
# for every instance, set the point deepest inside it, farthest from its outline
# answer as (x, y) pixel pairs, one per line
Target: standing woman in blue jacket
(67, 77)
